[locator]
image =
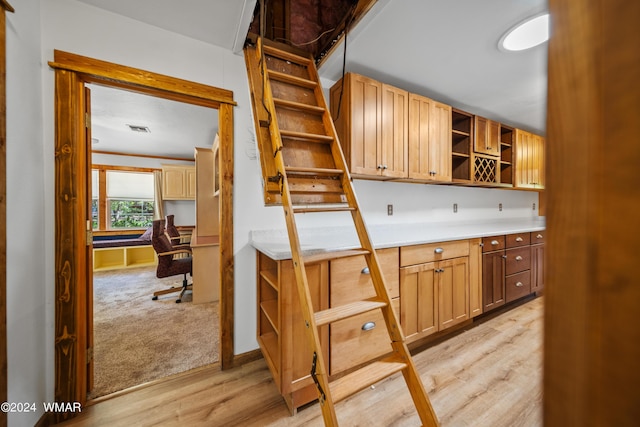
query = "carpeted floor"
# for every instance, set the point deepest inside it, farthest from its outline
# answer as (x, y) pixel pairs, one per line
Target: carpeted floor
(137, 340)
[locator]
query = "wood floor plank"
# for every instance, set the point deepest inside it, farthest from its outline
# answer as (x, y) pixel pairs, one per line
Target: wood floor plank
(489, 375)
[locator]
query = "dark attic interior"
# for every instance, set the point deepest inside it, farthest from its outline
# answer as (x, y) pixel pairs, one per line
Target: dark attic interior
(313, 26)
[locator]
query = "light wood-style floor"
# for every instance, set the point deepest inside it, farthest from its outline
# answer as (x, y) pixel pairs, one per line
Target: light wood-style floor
(489, 375)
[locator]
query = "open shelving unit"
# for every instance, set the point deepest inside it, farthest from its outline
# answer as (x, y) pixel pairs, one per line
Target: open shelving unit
(506, 155)
(461, 143)
(269, 321)
(123, 257)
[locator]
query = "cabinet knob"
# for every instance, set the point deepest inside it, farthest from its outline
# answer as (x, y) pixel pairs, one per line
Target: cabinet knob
(379, 167)
(495, 242)
(518, 239)
(539, 236)
(368, 326)
(504, 256)
(481, 245)
(438, 250)
(518, 258)
(519, 284)
(365, 271)
(384, 167)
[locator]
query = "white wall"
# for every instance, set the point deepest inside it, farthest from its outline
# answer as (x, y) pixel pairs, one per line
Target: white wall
(29, 279)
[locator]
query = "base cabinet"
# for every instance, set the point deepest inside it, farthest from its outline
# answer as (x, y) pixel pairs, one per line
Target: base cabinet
(537, 261)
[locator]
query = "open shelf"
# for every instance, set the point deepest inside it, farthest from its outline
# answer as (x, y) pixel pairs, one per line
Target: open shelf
(123, 257)
(461, 143)
(506, 154)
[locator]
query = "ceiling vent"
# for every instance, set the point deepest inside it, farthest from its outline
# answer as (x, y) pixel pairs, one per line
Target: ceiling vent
(141, 129)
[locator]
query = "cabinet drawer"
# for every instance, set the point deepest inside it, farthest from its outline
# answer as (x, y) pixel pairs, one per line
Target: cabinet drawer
(537, 237)
(420, 254)
(520, 239)
(517, 260)
(492, 243)
(518, 285)
(353, 344)
(350, 279)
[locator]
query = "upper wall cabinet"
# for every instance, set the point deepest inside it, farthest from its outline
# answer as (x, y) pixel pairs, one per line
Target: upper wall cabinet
(178, 182)
(487, 138)
(529, 160)
(371, 120)
(429, 139)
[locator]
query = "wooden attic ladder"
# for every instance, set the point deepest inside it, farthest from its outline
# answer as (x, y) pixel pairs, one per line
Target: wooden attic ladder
(310, 170)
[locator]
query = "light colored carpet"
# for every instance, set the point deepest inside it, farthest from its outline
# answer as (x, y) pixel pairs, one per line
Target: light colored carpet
(137, 340)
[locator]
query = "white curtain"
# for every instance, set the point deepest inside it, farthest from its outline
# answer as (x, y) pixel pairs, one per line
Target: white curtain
(158, 207)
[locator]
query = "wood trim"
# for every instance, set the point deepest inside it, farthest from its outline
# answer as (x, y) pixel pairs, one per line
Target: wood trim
(122, 168)
(149, 156)
(3, 210)
(71, 170)
(119, 75)
(591, 338)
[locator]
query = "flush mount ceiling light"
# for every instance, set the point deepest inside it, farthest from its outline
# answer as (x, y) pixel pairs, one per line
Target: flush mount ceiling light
(142, 129)
(529, 33)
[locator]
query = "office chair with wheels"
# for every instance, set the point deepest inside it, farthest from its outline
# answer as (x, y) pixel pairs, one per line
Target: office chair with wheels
(168, 262)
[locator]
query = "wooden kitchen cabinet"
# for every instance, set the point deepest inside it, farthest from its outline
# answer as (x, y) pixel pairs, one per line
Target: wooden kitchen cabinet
(487, 137)
(178, 182)
(435, 283)
(371, 121)
(429, 139)
(537, 261)
(280, 330)
(529, 160)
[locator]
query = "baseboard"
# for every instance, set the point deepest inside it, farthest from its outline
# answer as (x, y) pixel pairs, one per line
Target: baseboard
(250, 356)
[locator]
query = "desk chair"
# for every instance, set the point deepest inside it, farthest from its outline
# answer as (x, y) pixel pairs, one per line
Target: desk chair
(168, 263)
(174, 235)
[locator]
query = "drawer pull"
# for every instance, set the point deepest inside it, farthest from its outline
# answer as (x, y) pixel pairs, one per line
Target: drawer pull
(495, 242)
(519, 284)
(518, 239)
(368, 326)
(438, 250)
(539, 236)
(365, 271)
(518, 258)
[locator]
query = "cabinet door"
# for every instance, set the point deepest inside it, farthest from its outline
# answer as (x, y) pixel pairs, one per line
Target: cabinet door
(364, 101)
(429, 139)
(529, 160)
(418, 301)
(295, 352)
(487, 136)
(493, 280)
(537, 268)
(475, 277)
(453, 291)
(174, 185)
(394, 159)
(190, 180)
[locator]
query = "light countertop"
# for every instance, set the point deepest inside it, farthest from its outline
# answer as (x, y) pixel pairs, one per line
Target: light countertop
(275, 243)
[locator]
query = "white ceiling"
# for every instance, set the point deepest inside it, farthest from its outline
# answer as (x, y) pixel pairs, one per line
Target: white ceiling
(447, 50)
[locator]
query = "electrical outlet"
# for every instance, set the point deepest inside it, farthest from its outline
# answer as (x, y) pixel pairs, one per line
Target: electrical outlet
(534, 206)
(455, 208)
(389, 210)
(500, 207)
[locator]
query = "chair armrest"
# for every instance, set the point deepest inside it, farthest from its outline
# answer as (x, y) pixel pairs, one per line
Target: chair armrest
(175, 252)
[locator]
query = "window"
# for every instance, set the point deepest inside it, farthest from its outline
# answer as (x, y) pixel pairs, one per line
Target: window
(128, 199)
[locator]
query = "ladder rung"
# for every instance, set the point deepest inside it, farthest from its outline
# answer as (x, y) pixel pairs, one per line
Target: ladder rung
(284, 103)
(367, 376)
(326, 256)
(287, 56)
(323, 209)
(313, 171)
(346, 311)
(294, 80)
(306, 136)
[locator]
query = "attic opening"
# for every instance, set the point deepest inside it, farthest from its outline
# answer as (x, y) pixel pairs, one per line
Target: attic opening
(314, 26)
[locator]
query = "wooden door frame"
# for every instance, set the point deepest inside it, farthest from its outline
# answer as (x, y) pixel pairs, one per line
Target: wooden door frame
(4, 7)
(71, 73)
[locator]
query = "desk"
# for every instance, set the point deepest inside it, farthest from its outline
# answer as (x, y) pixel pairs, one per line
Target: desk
(206, 268)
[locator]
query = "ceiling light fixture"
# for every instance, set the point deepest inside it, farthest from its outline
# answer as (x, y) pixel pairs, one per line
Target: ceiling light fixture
(527, 34)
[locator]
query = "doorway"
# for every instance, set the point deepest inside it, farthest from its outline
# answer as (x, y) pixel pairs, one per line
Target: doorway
(73, 217)
(134, 137)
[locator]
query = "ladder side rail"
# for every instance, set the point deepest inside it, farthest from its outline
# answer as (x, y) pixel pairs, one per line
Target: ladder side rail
(326, 402)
